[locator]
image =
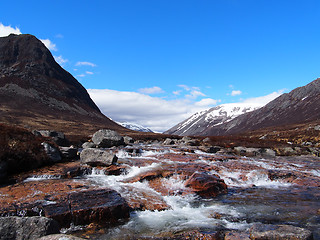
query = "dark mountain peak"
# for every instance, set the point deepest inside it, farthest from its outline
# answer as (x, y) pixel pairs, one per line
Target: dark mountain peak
(33, 84)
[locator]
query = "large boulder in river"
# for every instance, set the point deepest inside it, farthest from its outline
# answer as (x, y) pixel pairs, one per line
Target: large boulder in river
(106, 138)
(206, 185)
(90, 206)
(97, 157)
(18, 228)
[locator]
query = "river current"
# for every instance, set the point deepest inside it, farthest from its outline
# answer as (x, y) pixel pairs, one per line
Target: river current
(280, 190)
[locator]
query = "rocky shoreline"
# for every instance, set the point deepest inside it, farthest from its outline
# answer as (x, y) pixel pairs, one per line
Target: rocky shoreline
(60, 195)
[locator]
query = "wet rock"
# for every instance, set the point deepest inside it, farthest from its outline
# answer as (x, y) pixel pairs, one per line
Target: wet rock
(270, 232)
(106, 138)
(267, 152)
(23, 228)
(195, 234)
(189, 141)
(58, 137)
(250, 152)
(65, 201)
(128, 140)
(52, 152)
(69, 153)
(60, 237)
(97, 206)
(168, 141)
(206, 185)
(212, 149)
(88, 145)
(236, 236)
(286, 151)
(97, 157)
(280, 174)
(141, 199)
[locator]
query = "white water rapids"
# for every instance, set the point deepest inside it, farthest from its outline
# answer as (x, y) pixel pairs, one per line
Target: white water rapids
(253, 196)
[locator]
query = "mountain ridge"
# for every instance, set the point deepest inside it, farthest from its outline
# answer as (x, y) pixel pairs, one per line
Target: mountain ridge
(299, 106)
(35, 91)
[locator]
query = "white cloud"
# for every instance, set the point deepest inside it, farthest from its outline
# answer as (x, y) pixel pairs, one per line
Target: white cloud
(60, 60)
(86, 64)
(81, 75)
(176, 92)
(7, 30)
(263, 100)
(206, 102)
(194, 94)
(156, 113)
(236, 92)
(51, 46)
(89, 73)
(152, 90)
(185, 87)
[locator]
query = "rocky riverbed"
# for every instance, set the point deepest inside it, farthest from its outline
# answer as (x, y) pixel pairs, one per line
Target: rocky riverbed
(169, 191)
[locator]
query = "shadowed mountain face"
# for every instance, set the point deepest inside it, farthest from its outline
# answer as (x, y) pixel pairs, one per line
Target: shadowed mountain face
(36, 91)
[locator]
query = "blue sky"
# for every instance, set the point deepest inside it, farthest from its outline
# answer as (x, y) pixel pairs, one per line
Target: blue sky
(157, 62)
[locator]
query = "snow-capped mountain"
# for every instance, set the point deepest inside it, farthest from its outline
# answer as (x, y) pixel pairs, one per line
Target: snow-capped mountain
(300, 106)
(134, 127)
(215, 116)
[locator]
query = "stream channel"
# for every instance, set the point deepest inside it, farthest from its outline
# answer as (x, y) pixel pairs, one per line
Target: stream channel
(279, 190)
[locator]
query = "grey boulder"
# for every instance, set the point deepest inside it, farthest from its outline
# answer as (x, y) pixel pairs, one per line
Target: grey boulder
(97, 157)
(106, 138)
(23, 228)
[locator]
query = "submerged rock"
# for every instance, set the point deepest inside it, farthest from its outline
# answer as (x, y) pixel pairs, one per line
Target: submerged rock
(206, 185)
(106, 138)
(60, 237)
(270, 232)
(24, 228)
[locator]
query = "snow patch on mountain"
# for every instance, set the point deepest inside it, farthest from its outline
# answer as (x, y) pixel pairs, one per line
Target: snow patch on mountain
(134, 127)
(212, 117)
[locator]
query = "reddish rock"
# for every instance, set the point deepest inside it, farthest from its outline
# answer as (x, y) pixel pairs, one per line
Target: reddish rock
(141, 199)
(97, 206)
(269, 232)
(65, 201)
(206, 185)
(237, 236)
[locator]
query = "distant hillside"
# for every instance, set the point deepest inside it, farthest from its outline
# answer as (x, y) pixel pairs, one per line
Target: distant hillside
(35, 91)
(216, 116)
(300, 106)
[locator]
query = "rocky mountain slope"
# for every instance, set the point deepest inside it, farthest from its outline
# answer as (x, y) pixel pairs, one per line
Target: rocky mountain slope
(35, 91)
(300, 106)
(216, 116)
